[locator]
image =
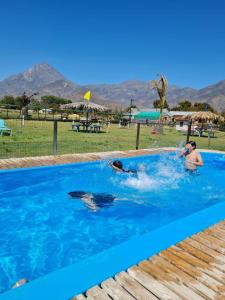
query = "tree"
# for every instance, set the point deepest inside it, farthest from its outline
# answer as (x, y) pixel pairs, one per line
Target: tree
(223, 113)
(202, 106)
(157, 104)
(19, 102)
(54, 101)
(25, 101)
(197, 106)
(185, 105)
(8, 101)
(36, 106)
(161, 87)
(117, 114)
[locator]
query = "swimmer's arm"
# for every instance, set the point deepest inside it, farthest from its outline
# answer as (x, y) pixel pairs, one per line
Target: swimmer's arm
(182, 153)
(116, 169)
(199, 161)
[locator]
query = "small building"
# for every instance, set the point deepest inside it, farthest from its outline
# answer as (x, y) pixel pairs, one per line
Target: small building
(147, 117)
(182, 124)
(181, 119)
(180, 114)
(135, 111)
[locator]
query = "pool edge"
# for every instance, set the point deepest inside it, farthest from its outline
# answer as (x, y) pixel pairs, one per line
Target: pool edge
(71, 159)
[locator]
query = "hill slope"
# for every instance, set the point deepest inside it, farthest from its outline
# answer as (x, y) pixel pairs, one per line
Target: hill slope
(46, 80)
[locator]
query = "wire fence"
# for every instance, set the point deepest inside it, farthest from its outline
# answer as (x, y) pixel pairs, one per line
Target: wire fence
(37, 138)
(43, 114)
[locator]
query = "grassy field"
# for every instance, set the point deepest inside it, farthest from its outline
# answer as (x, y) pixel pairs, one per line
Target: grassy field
(35, 138)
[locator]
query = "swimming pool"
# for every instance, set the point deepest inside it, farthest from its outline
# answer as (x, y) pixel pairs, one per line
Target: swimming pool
(43, 229)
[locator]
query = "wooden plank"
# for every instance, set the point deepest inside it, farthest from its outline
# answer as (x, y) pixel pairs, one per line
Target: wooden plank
(204, 255)
(166, 279)
(183, 277)
(189, 269)
(196, 261)
(220, 227)
(96, 293)
(115, 290)
(218, 257)
(153, 285)
(208, 242)
(209, 276)
(217, 233)
(214, 240)
(79, 297)
(195, 252)
(199, 263)
(133, 287)
(222, 223)
(188, 257)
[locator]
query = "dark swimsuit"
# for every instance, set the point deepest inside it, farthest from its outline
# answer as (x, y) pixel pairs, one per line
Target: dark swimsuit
(99, 199)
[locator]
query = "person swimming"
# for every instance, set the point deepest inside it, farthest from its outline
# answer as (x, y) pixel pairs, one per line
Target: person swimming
(192, 156)
(93, 200)
(117, 165)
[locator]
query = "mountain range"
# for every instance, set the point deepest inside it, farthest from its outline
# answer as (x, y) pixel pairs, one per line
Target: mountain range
(46, 80)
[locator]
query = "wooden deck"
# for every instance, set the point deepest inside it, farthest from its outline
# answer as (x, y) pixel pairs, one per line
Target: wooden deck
(27, 162)
(193, 269)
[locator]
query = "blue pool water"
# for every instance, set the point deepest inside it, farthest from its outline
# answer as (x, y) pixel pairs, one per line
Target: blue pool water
(42, 229)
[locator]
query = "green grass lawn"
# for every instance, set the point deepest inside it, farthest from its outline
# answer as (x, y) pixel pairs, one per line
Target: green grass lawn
(35, 138)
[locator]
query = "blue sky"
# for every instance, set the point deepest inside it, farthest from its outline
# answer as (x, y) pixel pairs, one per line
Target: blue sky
(110, 41)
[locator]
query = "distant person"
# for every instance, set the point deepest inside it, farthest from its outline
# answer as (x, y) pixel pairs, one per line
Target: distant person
(192, 156)
(20, 282)
(117, 165)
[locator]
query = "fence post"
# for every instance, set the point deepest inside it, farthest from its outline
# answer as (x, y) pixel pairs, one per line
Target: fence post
(189, 131)
(54, 145)
(138, 134)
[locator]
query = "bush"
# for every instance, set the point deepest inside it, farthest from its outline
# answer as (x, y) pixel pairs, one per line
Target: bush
(222, 127)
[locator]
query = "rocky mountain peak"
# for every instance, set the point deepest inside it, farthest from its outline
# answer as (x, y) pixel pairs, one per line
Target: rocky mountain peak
(42, 73)
(46, 80)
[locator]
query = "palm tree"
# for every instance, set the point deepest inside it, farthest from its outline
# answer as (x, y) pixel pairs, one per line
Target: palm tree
(161, 87)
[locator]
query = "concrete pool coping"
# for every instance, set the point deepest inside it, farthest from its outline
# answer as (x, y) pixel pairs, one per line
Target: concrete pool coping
(26, 162)
(66, 282)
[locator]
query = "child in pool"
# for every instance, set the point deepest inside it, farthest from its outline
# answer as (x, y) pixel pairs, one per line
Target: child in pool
(117, 165)
(192, 156)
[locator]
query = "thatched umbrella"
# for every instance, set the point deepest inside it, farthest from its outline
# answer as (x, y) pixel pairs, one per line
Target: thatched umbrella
(205, 116)
(202, 116)
(90, 106)
(85, 106)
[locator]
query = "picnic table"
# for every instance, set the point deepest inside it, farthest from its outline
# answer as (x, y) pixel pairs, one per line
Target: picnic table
(87, 126)
(200, 131)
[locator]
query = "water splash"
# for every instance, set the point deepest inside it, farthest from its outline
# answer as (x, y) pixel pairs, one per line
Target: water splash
(167, 173)
(179, 149)
(142, 182)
